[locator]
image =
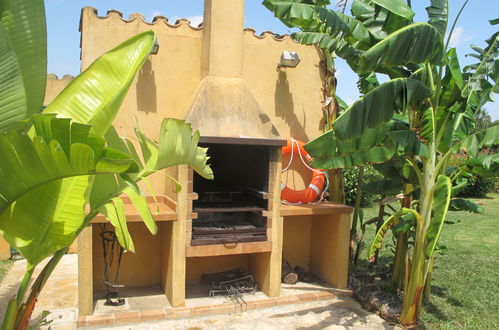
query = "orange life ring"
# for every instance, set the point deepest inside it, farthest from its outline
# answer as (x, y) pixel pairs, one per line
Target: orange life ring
(314, 189)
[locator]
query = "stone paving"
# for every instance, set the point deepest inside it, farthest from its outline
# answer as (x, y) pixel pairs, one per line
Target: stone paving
(60, 298)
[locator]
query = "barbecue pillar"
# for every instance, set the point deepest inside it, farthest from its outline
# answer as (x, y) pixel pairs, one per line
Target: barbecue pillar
(225, 112)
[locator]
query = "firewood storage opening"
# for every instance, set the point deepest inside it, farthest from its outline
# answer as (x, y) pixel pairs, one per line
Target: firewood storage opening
(233, 208)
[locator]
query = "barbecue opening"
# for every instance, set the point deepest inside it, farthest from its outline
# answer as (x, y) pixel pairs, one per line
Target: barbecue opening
(232, 207)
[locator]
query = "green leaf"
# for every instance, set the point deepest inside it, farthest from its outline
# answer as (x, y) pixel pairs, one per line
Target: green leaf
(416, 43)
(474, 142)
(115, 213)
(24, 22)
(389, 223)
(95, 96)
(28, 163)
(178, 145)
(13, 101)
(441, 201)
(397, 7)
(310, 18)
(141, 205)
(45, 219)
(438, 14)
(379, 105)
(374, 146)
(383, 187)
(460, 204)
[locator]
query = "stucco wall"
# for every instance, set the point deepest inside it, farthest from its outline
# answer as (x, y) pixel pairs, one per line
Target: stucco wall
(168, 81)
(55, 86)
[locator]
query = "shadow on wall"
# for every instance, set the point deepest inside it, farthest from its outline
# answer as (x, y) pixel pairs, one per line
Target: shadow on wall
(146, 89)
(285, 108)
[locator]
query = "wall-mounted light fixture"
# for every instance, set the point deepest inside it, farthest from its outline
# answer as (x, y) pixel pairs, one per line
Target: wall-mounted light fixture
(288, 59)
(155, 47)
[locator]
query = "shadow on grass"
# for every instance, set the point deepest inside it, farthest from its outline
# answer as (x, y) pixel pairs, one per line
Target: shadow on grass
(442, 293)
(431, 308)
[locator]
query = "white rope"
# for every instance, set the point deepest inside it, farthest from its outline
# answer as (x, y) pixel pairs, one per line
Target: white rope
(293, 142)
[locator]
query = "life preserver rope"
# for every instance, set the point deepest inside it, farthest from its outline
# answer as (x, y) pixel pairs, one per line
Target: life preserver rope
(314, 189)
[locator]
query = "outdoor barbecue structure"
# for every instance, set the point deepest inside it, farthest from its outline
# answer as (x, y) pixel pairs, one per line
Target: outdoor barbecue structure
(222, 79)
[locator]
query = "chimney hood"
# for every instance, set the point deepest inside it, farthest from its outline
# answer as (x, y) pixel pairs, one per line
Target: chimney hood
(224, 108)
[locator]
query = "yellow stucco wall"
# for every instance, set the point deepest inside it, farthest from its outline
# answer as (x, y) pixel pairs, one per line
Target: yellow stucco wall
(139, 269)
(55, 86)
(165, 87)
(297, 236)
(4, 249)
(196, 267)
(167, 83)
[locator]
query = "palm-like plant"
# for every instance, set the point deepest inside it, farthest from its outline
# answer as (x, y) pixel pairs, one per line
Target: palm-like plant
(57, 166)
(422, 115)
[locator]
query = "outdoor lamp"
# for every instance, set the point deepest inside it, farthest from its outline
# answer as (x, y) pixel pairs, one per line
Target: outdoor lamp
(155, 47)
(289, 59)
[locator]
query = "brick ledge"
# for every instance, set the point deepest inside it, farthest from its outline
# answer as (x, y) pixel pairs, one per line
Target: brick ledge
(191, 312)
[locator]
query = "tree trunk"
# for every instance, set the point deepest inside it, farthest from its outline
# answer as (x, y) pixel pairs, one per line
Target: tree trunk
(379, 223)
(413, 295)
(399, 263)
(356, 212)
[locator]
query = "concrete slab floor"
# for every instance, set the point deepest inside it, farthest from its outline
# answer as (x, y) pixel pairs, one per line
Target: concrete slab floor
(60, 298)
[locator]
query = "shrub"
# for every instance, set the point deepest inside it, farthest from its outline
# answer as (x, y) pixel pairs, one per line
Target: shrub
(350, 179)
(479, 186)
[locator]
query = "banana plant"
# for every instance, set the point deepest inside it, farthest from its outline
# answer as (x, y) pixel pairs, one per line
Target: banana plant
(319, 25)
(53, 163)
(423, 114)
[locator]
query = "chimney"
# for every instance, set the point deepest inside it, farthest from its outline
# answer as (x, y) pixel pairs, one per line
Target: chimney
(224, 105)
(223, 28)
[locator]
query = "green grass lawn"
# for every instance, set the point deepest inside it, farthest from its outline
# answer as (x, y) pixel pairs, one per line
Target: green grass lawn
(4, 267)
(465, 286)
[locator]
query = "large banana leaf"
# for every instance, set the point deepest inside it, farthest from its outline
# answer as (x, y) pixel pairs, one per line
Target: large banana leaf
(379, 21)
(45, 219)
(379, 105)
(461, 204)
(316, 18)
(45, 181)
(375, 146)
(13, 101)
(474, 142)
(389, 223)
(24, 23)
(398, 7)
(438, 14)
(441, 200)
(416, 43)
(177, 145)
(59, 150)
(96, 95)
(481, 74)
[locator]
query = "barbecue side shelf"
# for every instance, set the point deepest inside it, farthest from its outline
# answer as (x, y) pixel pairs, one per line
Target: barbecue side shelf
(162, 209)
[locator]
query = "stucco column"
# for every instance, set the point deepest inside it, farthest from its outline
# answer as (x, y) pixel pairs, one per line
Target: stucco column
(329, 258)
(223, 38)
(85, 272)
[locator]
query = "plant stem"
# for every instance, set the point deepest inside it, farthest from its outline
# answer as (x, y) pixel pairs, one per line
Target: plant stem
(399, 263)
(25, 311)
(413, 295)
(379, 223)
(24, 283)
(356, 212)
(427, 287)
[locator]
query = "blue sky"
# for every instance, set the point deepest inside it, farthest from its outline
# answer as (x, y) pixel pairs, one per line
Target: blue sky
(63, 36)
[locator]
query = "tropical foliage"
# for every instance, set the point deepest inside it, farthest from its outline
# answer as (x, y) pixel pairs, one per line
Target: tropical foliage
(61, 167)
(414, 122)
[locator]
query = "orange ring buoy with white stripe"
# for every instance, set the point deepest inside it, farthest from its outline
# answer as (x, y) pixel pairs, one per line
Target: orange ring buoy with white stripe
(314, 189)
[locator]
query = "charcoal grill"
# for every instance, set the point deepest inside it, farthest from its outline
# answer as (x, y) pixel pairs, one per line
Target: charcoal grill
(233, 207)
